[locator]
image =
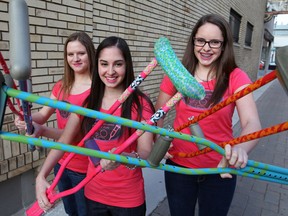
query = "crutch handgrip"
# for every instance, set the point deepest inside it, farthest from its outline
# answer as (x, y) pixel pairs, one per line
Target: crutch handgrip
(20, 55)
(160, 148)
(183, 81)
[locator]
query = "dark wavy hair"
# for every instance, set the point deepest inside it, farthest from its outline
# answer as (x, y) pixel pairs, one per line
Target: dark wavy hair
(224, 65)
(94, 100)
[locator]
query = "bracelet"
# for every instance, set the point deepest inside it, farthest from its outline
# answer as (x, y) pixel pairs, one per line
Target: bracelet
(136, 156)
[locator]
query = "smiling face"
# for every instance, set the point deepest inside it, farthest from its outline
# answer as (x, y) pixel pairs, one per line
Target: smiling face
(207, 55)
(112, 67)
(77, 57)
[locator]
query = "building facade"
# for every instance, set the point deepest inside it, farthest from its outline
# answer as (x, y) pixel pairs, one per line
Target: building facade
(275, 32)
(141, 23)
(280, 39)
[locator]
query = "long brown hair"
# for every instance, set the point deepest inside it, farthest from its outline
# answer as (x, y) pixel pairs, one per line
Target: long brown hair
(224, 65)
(69, 77)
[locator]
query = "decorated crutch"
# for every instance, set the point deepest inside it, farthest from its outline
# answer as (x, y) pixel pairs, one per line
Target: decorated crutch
(180, 77)
(3, 100)
(90, 113)
(35, 209)
(138, 125)
(245, 138)
(106, 117)
(254, 169)
(20, 55)
(197, 92)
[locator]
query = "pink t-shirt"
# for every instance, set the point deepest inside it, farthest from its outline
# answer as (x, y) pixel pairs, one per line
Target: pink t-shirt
(121, 187)
(216, 127)
(79, 163)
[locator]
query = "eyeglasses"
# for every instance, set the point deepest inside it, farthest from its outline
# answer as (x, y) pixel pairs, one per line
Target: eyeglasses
(201, 42)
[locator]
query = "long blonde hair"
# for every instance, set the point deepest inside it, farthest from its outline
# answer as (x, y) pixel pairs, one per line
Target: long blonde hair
(69, 77)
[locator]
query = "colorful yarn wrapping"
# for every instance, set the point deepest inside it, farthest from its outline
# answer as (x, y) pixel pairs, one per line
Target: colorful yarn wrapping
(245, 138)
(183, 81)
(253, 169)
(118, 120)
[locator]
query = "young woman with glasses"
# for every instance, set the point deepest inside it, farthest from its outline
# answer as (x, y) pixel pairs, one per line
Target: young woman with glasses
(210, 59)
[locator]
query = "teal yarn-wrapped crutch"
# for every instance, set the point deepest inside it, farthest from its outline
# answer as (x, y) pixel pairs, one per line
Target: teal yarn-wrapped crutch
(246, 172)
(253, 168)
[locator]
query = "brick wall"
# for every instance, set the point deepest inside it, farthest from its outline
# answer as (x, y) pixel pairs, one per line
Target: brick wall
(139, 22)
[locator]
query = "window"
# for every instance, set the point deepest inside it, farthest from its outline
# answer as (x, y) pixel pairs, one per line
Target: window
(235, 22)
(248, 37)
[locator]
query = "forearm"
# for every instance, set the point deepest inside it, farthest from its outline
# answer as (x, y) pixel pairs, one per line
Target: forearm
(69, 133)
(247, 129)
(143, 153)
(43, 115)
(38, 118)
(144, 145)
(249, 120)
(52, 133)
(160, 122)
(52, 159)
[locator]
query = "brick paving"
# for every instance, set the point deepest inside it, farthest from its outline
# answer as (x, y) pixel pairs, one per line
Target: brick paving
(256, 197)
